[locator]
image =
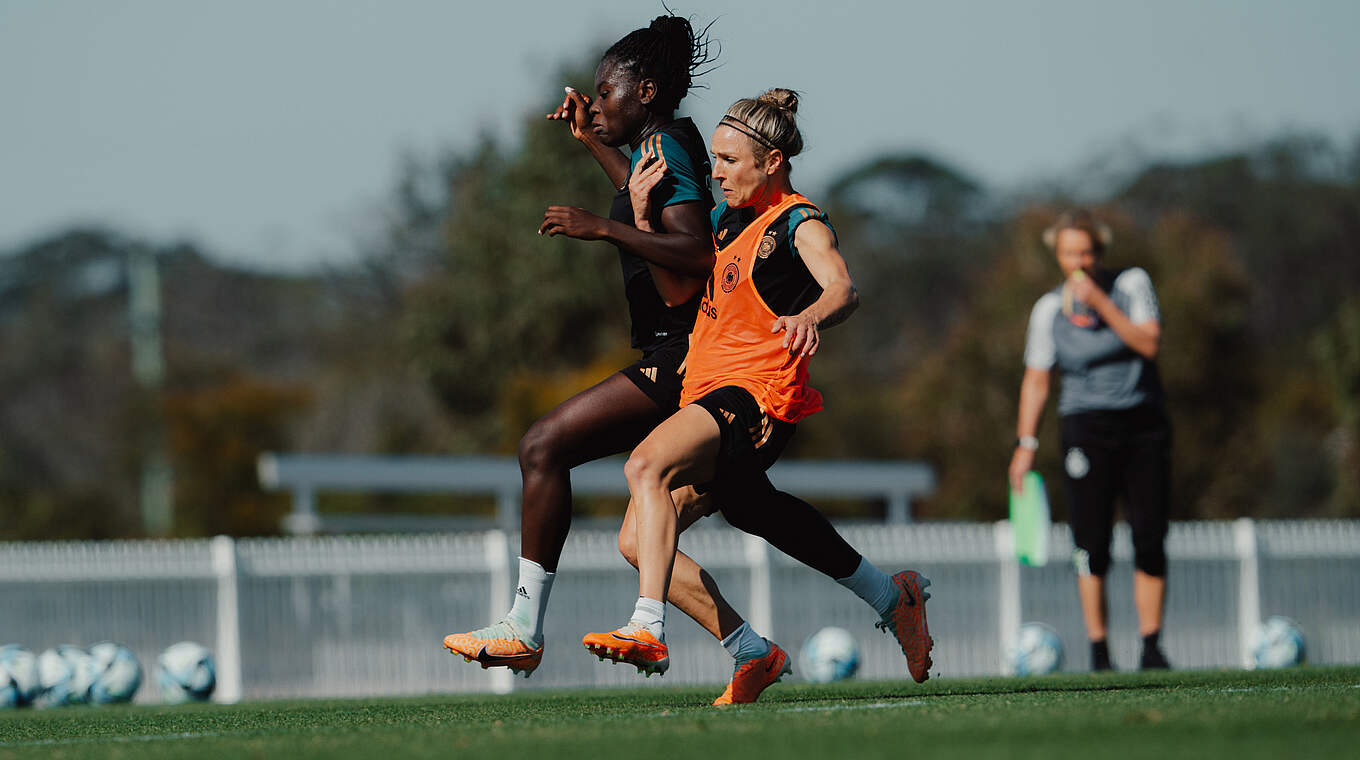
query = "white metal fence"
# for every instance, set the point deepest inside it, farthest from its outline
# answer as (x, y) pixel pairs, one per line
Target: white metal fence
(897, 483)
(365, 615)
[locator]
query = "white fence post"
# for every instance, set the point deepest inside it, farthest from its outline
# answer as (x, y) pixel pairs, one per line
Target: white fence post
(223, 550)
(762, 593)
(498, 561)
(1008, 586)
(1248, 549)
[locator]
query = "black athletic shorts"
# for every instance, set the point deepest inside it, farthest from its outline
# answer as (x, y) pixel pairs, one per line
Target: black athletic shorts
(660, 373)
(751, 439)
(1118, 455)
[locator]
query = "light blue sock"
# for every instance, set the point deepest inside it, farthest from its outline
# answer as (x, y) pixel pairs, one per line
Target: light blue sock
(873, 586)
(745, 644)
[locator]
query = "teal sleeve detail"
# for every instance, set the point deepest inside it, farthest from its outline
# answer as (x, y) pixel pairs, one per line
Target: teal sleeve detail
(682, 183)
(802, 214)
(716, 214)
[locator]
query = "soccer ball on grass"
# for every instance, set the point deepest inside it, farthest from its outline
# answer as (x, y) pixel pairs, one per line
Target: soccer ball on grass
(185, 672)
(830, 654)
(64, 677)
(1279, 644)
(116, 674)
(1037, 651)
(18, 676)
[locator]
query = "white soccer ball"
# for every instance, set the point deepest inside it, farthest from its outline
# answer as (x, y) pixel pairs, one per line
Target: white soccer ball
(1037, 651)
(115, 674)
(18, 676)
(1279, 644)
(64, 677)
(830, 654)
(186, 672)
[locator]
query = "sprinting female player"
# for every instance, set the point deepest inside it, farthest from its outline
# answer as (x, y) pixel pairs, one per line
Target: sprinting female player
(778, 278)
(1103, 329)
(639, 82)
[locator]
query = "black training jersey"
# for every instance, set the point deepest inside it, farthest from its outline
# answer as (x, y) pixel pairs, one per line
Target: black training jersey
(781, 277)
(687, 180)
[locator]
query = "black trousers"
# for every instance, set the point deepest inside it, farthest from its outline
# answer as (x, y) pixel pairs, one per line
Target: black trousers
(1111, 454)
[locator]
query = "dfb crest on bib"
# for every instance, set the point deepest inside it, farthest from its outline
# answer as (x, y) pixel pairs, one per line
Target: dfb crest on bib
(767, 245)
(730, 277)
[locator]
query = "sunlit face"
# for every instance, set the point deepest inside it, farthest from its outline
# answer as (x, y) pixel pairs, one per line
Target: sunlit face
(617, 115)
(742, 179)
(1075, 250)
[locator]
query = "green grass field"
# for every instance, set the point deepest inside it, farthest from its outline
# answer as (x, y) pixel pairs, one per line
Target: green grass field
(1313, 712)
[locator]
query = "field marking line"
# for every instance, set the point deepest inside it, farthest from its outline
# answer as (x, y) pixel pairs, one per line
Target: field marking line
(123, 739)
(869, 706)
(815, 708)
(1253, 689)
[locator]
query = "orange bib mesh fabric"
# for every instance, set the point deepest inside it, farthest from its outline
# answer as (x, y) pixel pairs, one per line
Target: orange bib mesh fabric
(732, 344)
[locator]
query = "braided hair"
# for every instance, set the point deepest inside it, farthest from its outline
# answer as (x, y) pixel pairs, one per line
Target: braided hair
(669, 52)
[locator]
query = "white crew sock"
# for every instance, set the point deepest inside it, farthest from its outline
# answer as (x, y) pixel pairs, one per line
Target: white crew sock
(531, 599)
(745, 644)
(873, 586)
(651, 613)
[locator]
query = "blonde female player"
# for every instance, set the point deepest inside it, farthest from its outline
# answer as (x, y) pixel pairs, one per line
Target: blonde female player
(777, 281)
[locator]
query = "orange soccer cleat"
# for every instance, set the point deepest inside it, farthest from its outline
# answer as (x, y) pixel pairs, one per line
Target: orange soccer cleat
(632, 644)
(497, 645)
(907, 621)
(753, 676)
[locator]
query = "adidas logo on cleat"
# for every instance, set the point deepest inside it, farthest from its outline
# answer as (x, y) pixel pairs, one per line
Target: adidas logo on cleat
(523, 592)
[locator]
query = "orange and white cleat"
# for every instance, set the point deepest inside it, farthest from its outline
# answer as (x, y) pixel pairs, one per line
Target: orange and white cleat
(497, 645)
(907, 621)
(632, 644)
(755, 675)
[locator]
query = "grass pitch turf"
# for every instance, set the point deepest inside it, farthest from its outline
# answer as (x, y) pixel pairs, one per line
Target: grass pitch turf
(1307, 712)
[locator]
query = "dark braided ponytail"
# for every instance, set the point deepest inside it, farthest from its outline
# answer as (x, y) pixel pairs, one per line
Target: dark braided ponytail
(668, 52)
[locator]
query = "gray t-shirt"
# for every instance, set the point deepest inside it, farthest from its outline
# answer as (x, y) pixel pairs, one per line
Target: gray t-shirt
(1100, 371)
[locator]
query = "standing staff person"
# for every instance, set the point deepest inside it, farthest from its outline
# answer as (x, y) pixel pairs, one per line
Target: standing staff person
(1102, 329)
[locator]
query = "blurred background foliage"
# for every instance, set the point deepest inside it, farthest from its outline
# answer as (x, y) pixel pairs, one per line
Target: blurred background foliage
(460, 325)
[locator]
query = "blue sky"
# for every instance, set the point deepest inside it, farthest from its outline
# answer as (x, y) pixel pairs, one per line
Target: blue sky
(271, 132)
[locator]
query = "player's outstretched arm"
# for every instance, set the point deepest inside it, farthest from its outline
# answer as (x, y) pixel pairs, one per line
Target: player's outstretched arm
(575, 111)
(817, 246)
(681, 258)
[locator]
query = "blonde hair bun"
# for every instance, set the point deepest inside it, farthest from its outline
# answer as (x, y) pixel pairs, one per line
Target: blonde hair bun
(784, 100)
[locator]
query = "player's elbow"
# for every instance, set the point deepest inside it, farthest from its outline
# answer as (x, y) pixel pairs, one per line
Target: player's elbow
(1151, 343)
(851, 298)
(702, 263)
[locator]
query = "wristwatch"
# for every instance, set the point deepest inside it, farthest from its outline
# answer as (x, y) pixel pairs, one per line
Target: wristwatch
(1027, 442)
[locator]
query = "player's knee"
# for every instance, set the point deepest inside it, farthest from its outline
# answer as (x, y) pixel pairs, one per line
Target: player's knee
(642, 470)
(1091, 560)
(739, 517)
(628, 545)
(746, 504)
(539, 446)
(1150, 557)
